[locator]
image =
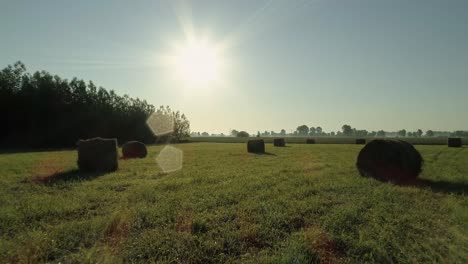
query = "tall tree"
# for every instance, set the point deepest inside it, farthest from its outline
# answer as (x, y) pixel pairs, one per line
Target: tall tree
(429, 133)
(318, 131)
(402, 133)
(381, 133)
(419, 133)
(44, 110)
(302, 130)
(347, 130)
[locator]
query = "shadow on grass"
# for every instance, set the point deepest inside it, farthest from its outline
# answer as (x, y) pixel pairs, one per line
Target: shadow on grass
(445, 186)
(68, 176)
(264, 153)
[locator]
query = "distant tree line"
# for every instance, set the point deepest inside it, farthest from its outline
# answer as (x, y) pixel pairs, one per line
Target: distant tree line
(44, 110)
(346, 131)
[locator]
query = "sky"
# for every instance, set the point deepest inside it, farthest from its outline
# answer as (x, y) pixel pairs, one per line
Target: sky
(368, 63)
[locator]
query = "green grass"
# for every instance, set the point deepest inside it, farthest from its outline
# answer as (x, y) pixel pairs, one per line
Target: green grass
(302, 204)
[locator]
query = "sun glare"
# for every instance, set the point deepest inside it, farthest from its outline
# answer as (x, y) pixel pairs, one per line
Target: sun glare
(196, 63)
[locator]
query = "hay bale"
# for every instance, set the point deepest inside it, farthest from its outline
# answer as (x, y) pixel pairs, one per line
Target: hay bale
(396, 161)
(134, 149)
(454, 142)
(310, 141)
(98, 154)
(256, 146)
(360, 141)
(279, 142)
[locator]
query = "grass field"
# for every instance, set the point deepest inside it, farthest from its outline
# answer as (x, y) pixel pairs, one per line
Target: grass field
(298, 204)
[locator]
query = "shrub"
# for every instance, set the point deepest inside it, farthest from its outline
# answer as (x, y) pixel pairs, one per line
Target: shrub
(242, 134)
(310, 141)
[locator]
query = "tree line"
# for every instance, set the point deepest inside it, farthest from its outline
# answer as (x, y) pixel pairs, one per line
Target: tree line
(45, 110)
(346, 131)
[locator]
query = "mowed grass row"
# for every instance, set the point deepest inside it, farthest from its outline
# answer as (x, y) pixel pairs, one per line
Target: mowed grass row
(324, 140)
(297, 204)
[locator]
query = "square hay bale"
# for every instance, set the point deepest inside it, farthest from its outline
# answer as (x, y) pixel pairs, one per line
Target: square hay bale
(360, 141)
(310, 141)
(98, 154)
(279, 142)
(454, 142)
(256, 146)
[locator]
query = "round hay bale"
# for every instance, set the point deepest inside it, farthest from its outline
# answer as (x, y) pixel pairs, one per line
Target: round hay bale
(310, 141)
(279, 142)
(360, 141)
(98, 154)
(134, 149)
(256, 146)
(454, 142)
(395, 161)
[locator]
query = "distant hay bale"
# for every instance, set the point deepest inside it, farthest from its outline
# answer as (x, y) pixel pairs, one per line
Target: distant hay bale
(256, 146)
(98, 154)
(360, 141)
(134, 149)
(279, 142)
(396, 161)
(310, 141)
(454, 142)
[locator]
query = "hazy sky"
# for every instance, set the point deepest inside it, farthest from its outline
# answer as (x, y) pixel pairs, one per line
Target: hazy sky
(367, 63)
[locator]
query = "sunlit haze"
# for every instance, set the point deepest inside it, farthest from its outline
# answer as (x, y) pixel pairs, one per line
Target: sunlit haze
(259, 65)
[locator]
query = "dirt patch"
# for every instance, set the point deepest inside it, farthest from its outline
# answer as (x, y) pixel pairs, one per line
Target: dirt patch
(118, 230)
(184, 221)
(249, 232)
(321, 244)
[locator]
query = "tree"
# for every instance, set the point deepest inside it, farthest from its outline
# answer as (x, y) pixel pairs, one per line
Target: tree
(347, 130)
(302, 130)
(419, 133)
(205, 134)
(312, 131)
(402, 133)
(44, 110)
(381, 133)
(361, 133)
(181, 124)
(283, 132)
(429, 133)
(242, 134)
(234, 133)
(318, 131)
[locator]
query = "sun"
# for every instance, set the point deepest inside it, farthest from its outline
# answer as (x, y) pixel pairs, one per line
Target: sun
(197, 62)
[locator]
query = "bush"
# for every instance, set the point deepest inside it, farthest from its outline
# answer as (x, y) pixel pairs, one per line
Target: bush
(242, 134)
(310, 141)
